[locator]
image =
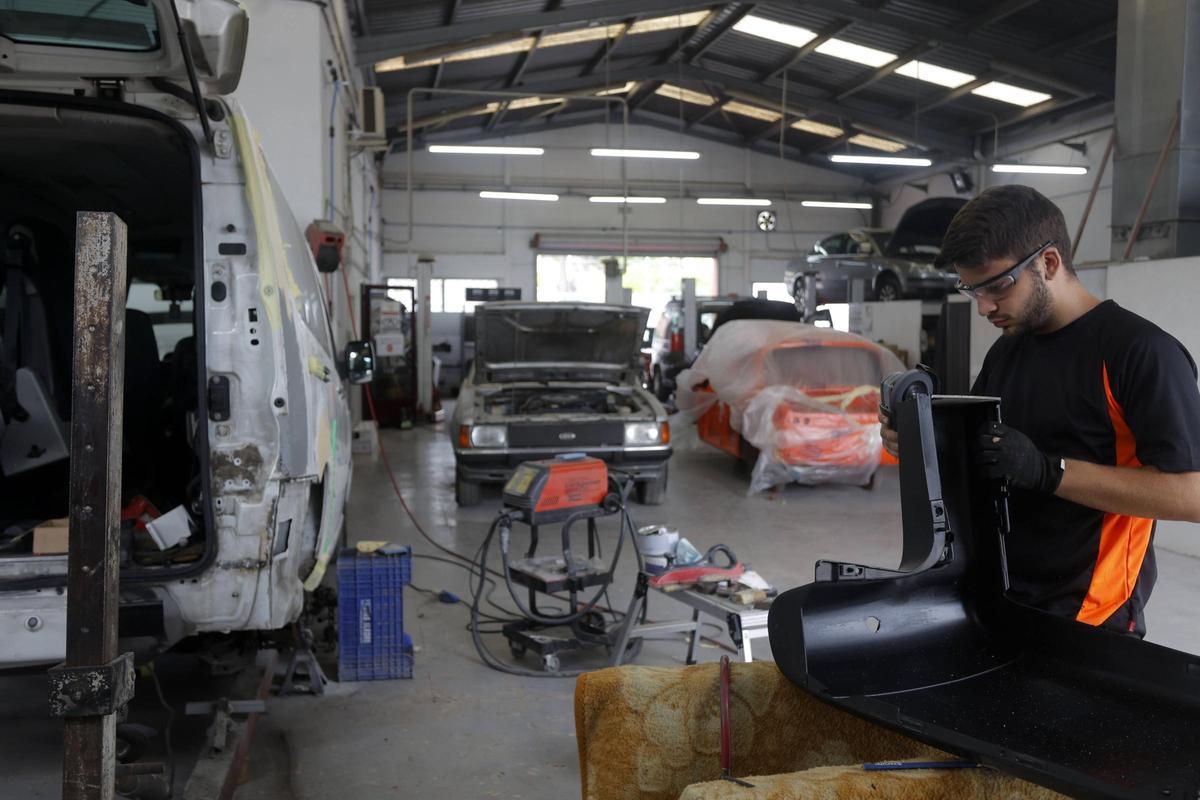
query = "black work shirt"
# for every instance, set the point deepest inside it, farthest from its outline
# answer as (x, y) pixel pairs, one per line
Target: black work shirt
(1110, 388)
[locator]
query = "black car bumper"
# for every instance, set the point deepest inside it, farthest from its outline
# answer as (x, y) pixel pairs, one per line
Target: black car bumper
(495, 466)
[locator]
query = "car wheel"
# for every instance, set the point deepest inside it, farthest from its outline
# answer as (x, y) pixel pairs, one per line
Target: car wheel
(467, 493)
(650, 493)
(887, 289)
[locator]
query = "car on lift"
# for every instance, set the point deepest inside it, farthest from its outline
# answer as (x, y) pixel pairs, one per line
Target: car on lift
(555, 378)
(236, 413)
(892, 264)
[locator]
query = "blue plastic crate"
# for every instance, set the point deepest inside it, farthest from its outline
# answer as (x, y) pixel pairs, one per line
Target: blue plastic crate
(372, 644)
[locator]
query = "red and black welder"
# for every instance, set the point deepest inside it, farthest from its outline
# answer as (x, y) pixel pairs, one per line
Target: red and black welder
(561, 491)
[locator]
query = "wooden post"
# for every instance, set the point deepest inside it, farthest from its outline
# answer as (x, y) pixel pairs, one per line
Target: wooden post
(94, 680)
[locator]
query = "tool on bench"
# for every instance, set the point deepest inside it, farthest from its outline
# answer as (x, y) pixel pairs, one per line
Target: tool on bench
(708, 571)
(561, 491)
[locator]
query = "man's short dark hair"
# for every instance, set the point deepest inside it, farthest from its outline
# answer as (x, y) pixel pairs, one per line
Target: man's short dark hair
(1004, 222)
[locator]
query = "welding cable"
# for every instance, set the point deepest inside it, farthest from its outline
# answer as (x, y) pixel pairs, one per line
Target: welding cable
(387, 466)
(591, 604)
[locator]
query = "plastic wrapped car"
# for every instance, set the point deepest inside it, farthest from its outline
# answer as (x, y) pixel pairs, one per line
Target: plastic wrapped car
(797, 401)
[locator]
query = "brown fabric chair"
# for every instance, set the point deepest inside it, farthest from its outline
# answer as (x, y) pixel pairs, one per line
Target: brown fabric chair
(653, 733)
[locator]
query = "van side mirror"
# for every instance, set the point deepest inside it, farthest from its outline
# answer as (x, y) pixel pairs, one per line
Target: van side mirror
(360, 361)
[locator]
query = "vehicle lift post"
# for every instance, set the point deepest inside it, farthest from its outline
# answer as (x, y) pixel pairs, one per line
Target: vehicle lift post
(95, 683)
(691, 325)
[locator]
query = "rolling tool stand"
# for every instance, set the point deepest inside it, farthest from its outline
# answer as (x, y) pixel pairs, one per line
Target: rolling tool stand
(563, 491)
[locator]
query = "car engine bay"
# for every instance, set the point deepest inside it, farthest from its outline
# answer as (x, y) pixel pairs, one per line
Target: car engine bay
(535, 401)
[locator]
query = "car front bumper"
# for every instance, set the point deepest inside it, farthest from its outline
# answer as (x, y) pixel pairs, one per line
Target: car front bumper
(479, 465)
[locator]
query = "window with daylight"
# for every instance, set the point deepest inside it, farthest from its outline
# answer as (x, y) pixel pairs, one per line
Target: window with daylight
(653, 280)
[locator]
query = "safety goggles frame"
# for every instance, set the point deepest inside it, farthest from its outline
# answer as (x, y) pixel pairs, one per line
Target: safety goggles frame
(999, 284)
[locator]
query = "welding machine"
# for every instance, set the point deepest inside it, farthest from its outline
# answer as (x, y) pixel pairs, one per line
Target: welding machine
(561, 491)
(542, 492)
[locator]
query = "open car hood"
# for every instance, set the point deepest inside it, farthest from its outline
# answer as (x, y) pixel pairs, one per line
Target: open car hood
(922, 228)
(61, 45)
(558, 341)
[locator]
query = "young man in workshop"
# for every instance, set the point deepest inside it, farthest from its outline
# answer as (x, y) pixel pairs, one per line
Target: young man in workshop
(1102, 415)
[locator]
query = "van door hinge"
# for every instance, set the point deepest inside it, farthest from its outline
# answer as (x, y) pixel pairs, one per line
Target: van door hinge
(110, 88)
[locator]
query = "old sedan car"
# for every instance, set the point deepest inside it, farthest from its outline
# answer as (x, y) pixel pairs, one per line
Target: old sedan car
(892, 265)
(554, 378)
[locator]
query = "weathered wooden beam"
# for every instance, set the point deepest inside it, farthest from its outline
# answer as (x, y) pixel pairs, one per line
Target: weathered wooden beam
(97, 400)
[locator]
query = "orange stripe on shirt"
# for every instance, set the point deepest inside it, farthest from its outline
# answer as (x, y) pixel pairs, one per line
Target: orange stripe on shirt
(1124, 540)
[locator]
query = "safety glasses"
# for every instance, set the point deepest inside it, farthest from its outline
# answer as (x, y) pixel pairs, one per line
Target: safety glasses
(999, 285)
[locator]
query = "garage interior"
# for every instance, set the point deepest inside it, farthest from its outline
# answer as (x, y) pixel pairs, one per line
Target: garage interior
(640, 244)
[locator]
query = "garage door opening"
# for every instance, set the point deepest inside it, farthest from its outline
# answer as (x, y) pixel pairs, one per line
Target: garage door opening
(654, 280)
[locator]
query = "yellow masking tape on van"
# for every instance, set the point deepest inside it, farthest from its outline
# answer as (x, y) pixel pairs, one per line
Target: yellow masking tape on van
(327, 536)
(268, 240)
(317, 368)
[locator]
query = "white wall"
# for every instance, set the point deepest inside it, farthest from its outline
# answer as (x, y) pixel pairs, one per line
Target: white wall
(471, 237)
(1165, 293)
(288, 93)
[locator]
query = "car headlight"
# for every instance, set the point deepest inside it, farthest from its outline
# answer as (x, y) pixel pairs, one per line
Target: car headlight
(489, 436)
(642, 433)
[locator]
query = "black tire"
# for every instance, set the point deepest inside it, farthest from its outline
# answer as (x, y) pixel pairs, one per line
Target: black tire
(132, 742)
(467, 493)
(887, 289)
(651, 492)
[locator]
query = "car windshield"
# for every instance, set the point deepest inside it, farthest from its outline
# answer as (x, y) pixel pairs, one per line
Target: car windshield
(100, 24)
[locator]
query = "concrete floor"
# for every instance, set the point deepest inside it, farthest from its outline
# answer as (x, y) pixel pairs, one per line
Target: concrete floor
(459, 729)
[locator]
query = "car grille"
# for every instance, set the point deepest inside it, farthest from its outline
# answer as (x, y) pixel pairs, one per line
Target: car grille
(583, 434)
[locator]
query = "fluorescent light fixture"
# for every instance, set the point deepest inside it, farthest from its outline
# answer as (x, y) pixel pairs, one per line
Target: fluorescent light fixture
(479, 149)
(629, 200)
(833, 204)
(876, 143)
(545, 198)
(747, 110)
(1039, 169)
(819, 128)
(685, 95)
(625, 152)
(932, 73)
(859, 54)
(1007, 93)
(733, 201)
(557, 39)
(775, 31)
(617, 89)
(890, 161)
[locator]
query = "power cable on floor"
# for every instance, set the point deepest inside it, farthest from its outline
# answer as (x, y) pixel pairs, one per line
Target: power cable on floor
(463, 562)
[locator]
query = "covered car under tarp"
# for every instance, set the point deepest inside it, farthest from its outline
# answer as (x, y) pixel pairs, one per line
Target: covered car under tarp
(800, 402)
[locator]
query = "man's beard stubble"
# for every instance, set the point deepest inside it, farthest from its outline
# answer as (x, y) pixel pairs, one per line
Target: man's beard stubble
(1037, 311)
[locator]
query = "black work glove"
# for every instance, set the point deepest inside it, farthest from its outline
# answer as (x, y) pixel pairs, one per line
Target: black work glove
(1004, 453)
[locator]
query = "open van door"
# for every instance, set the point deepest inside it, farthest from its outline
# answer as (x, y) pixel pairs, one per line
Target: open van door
(48, 45)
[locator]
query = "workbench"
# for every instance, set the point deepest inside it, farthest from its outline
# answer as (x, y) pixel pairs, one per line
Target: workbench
(744, 623)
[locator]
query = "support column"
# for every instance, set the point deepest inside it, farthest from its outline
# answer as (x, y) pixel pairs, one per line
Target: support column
(424, 331)
(1158, 69)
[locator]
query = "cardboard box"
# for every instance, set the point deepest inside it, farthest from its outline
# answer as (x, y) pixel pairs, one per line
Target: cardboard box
(50, 538)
